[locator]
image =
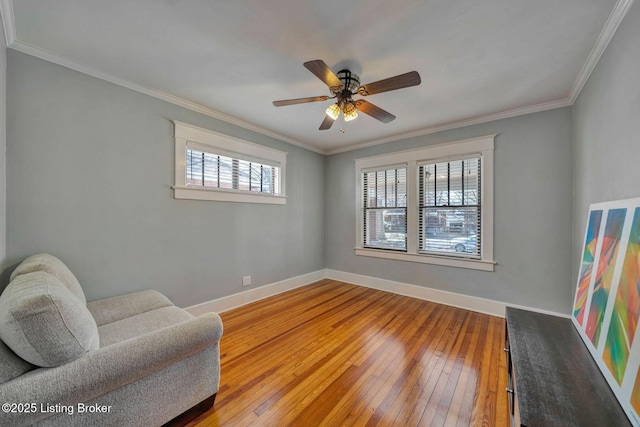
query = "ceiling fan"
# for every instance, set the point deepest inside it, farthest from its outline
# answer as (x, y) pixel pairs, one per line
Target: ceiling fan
(346, 84)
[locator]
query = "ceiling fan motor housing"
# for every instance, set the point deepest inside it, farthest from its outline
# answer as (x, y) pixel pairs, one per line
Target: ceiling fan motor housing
(349, 80)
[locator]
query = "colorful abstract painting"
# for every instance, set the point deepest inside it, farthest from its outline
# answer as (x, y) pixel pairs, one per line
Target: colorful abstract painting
(606, 308)
(626, 309)
(586, 267)
(604, 273)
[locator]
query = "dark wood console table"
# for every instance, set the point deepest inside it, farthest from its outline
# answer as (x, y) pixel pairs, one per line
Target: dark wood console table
(553, 380)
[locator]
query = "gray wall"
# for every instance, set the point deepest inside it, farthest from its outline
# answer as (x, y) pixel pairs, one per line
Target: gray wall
(89, 170)
(607, 128)
(533, 196)
(3, 147)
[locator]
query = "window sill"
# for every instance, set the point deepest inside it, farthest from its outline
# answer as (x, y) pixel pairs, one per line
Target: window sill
(192, 193)
(472, 264)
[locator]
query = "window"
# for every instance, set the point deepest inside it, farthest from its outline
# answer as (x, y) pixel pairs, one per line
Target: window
(385, 208)
(213, 166)
(430, 205)
(450, 210)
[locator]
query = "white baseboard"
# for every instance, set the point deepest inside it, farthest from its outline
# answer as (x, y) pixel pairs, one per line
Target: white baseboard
(480, 305)
(236, 300)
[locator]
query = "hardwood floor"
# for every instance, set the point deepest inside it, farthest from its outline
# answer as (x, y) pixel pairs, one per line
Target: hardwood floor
(333, 354)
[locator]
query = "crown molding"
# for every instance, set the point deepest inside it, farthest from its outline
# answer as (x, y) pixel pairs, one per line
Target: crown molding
(610, 27)
(457, 124)
(8, 21)
(176, 100)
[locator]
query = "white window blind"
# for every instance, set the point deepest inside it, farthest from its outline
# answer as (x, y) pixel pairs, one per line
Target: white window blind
(211, 170)
(385, 208)
(449, 217)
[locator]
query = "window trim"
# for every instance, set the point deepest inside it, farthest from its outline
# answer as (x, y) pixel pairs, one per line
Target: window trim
(484, 146)
(218, 143)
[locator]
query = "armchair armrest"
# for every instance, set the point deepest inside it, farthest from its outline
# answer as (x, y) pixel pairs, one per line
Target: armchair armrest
(109, 368)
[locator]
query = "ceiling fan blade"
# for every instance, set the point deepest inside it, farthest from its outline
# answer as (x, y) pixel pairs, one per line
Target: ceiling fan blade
(324, 73)
(374, 111)
(412, 78)
(299, 100)
(326, 123)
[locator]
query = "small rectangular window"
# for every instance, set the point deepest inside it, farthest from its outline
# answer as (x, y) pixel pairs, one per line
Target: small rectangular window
(217, 167)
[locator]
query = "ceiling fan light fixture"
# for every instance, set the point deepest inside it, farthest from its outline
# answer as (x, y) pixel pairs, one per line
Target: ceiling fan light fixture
(349, 111)
(333, 111)
(343, 86)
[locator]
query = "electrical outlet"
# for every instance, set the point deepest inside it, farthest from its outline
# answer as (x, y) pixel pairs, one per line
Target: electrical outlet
(246, 280)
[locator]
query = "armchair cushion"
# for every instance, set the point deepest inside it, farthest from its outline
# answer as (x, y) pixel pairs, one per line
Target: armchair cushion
(121, 307)
(43, 322)
(141, 324)
(53, 266)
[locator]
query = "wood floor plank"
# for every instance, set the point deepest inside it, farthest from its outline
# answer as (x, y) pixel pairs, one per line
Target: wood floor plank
(439, 405)
(315, 377)
(400, 401)
(354, 359)
(332, 354)
(363, 401)
(457, 415)
(435, 360)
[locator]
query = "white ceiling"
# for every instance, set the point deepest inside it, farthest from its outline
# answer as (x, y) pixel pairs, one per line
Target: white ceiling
(230, 59)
